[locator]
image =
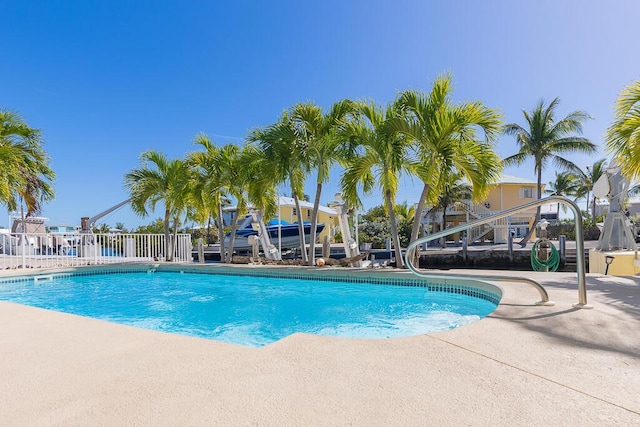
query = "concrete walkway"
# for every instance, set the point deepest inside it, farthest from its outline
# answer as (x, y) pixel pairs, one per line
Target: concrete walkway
(523, 365)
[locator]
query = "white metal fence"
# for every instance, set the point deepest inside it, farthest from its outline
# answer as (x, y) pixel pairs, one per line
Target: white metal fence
(19, 250)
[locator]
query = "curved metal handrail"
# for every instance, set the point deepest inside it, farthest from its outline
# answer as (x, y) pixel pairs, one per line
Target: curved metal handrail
(580, 261)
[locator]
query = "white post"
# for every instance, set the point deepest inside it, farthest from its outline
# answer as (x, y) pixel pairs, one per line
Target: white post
(355, 221)
(95, 249)
(24, 249)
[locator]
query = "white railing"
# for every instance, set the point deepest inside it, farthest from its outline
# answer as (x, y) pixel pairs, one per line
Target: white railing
(19, 250)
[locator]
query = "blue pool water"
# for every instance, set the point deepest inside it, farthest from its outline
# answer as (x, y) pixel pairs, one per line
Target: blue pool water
(252, 311)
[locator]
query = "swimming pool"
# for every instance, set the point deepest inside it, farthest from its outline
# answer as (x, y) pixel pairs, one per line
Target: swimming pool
(255, 311)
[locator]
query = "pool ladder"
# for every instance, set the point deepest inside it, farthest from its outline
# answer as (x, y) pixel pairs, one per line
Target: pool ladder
(580, 261)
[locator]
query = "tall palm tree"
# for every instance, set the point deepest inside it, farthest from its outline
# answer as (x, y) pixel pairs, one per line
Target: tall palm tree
(207, 189)
(383, 157)
(283, 150)
(243, 178)
(565, 184)
(25, 173)
(446, 141)
(159, 180)
(323, 147)
(623, 136)
(545, 139)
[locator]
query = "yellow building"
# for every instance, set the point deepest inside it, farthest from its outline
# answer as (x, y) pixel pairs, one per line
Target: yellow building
(326, 215)
(508, 192)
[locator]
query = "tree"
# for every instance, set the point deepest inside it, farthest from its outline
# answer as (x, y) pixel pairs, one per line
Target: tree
(283, 150)
(159, 180)
(243, 178)
(25, 174)
(446, 141)
(545, 139)
(454, 190)
(566, 185)
(585, 187)
(382, 157)
(156, 227)
(623, 136)
(323, 147)
(208, 194)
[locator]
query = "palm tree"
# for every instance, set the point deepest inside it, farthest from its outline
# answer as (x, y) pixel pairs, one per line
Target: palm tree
(452, 191)
(446, 141)
(283, 149)
(383, 158)
(565, 184)
(405, 211)
(545, 139)
(623, 136)
(207, 189)
(24, 165)
(243, 178)
(159, 180)
(322, 147)
(585, 187)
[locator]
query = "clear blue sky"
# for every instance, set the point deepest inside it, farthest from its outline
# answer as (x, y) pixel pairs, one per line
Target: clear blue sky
(107, 80)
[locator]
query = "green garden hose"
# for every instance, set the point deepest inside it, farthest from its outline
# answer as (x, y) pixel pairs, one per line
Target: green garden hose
(550, 264)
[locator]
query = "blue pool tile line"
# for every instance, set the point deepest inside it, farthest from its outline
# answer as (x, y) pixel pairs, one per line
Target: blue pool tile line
(435, 287)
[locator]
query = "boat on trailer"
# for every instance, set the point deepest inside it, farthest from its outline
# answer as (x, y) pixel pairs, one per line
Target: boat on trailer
(282, 234)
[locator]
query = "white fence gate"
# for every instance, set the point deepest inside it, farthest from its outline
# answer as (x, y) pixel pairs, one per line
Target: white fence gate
(19, 250)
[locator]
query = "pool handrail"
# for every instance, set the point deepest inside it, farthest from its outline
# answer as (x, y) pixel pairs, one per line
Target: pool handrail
(580, 261)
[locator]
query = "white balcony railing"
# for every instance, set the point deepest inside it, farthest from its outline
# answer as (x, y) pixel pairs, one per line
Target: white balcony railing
(19, 250)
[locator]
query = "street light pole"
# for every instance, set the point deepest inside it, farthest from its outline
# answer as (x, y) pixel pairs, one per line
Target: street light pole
(593, 220)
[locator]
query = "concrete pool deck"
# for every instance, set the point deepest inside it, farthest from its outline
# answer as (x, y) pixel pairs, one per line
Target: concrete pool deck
(522, 365)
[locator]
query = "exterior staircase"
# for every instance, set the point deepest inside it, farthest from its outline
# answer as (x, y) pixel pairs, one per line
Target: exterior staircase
(477, 211)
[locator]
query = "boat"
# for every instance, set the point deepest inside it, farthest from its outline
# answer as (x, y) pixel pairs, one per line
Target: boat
(288, 233)
(281, 233)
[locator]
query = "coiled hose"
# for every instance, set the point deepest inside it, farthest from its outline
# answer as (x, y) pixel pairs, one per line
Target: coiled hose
(550, 264)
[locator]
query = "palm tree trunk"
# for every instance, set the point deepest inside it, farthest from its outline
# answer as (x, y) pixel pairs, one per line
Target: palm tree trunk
(221, 233)
(314, 223)
(303, 240)
(588, 205)
(593, 210)
(232, 238)
(174, 242)
(167, 243)
(418, 214)
(418, 218)
(394, 230)
(526, 238)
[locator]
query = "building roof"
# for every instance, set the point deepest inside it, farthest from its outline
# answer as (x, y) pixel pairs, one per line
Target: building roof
(510, 179)
(289, 202)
